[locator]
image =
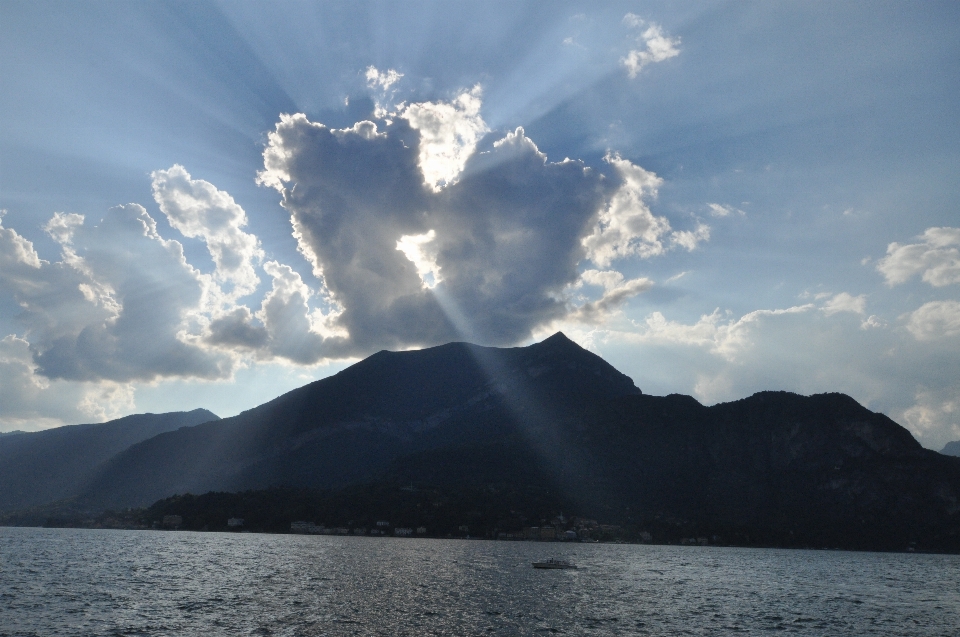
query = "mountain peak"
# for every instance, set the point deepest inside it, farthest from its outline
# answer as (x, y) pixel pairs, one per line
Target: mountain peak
(559, 342)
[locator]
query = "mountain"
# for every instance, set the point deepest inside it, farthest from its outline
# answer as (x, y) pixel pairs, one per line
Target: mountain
(350, 427)
(42, 466)
(951, 448)
(555, 420)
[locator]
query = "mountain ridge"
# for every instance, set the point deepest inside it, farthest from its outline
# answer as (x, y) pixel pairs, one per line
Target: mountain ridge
(41, 466)
(553, 419)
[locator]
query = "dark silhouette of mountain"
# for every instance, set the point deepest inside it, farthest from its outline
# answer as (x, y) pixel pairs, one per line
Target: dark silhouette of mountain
(42, 466)
(951, 448)
(774, 468)
(352, 426)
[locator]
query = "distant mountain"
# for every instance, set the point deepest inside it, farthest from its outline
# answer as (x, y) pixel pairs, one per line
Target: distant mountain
(39, 467)
(951, 448)
(775, 467)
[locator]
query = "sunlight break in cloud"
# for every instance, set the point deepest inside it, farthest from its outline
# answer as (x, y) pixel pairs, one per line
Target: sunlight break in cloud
(656, 47)
(421, 251)
(449, 132)
(936, 259)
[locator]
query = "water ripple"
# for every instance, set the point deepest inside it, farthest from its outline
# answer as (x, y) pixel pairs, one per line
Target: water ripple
(130, 583)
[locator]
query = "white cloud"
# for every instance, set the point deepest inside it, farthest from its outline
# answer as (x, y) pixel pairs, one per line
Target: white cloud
(416, 237)
(626, 227)
(873, 322)
(198, 209)
(935, 413)
(690, 239)
(725, 338)
(607, 279)
(115, 307)
(845, 302)
(381, 79)
(616, 291)
(31, 402)
(655, 46)
(935, 320)
(720, 210)
(936, 259)
(15, 251)
(286, 317)
(449, 132)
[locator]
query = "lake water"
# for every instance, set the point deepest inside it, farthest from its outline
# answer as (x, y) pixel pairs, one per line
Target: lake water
(89, 582)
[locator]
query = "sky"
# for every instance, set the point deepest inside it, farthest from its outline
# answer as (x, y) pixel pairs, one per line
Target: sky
(208, 204)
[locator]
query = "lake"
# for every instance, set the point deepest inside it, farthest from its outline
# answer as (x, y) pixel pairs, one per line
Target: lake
(99, 582)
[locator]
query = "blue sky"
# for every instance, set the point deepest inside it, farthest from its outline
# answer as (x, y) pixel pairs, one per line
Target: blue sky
(719, 198)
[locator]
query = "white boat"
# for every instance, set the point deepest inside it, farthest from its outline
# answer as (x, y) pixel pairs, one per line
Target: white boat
(552, 563)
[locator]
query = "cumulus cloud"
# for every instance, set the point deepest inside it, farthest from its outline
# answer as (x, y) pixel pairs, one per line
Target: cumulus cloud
(655, 46)
(15, 251)
(722, 336)
(383, 85)
(935, 320)
(845, 302)
(936, 258)
(690, 239)
(485, 246)
(873, 322)
(198, 209)
(114, 307)
(627, 227)
(29, 401)
(381, 79)
(286, 317)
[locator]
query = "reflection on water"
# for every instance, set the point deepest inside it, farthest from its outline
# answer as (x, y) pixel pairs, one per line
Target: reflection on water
(88, 582)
